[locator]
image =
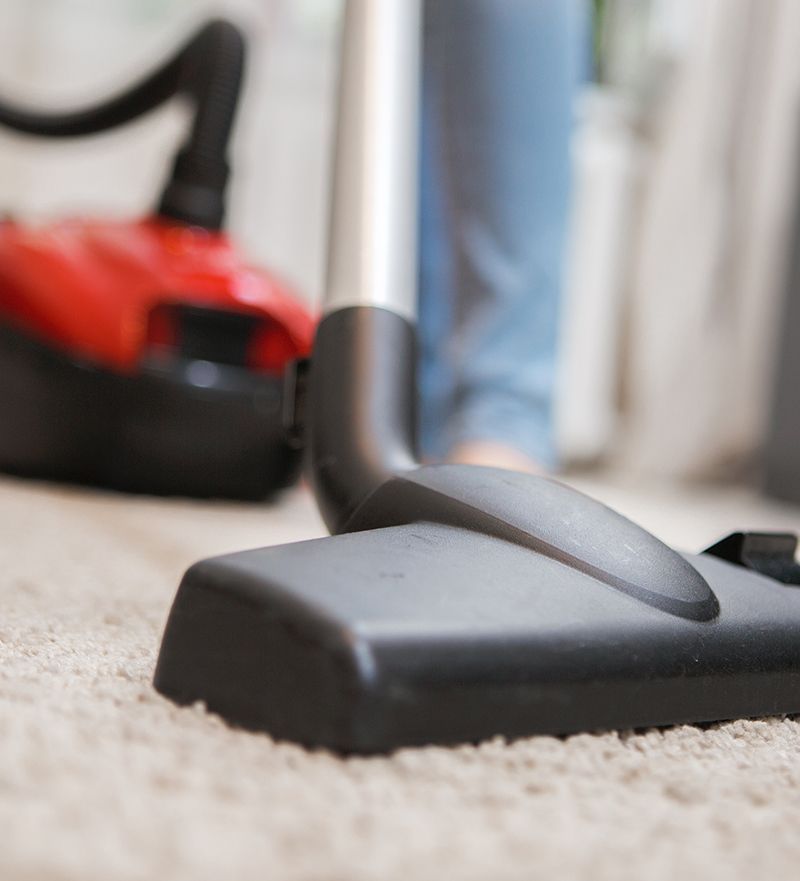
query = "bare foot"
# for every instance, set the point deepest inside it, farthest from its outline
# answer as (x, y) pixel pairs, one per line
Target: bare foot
(495, 455)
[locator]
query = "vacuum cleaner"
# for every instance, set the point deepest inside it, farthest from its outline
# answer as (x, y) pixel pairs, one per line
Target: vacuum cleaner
(148, 355)
(453, 602)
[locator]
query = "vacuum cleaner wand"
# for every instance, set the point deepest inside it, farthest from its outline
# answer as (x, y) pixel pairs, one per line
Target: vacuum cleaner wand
(458, 602)
(208, 71)
(362, 425)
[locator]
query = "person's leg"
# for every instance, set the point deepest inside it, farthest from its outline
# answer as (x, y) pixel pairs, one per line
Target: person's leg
(435, 257)
(499, 82)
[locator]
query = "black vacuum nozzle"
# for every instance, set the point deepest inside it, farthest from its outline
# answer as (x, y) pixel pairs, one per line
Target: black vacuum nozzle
(427, 632)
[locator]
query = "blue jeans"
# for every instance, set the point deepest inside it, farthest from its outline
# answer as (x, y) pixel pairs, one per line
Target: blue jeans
(499, 82)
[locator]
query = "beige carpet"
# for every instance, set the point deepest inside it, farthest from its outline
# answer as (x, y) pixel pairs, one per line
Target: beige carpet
(100, 778)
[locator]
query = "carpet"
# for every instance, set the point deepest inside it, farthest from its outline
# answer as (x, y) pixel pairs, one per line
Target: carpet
(101, 778)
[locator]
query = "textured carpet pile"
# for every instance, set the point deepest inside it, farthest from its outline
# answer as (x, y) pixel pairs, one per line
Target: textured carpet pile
(101, 778)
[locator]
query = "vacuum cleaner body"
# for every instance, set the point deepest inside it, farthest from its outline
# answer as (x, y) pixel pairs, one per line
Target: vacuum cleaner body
(148, 355)
(144, 356)
(455, 603)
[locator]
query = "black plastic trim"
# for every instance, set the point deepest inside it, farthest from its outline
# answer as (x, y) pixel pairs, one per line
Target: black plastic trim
(186, 427)
(362, 411)
(770, 553)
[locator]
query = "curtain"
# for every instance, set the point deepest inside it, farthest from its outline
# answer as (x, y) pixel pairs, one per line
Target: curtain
(709, 254)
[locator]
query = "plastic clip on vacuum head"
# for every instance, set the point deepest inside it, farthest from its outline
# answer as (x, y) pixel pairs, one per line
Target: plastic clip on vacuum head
(147, 355)
(456, 602)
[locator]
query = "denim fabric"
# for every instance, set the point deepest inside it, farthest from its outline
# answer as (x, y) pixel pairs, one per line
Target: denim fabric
(499, 82)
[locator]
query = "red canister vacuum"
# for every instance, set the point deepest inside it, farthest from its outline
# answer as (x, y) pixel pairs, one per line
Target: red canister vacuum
(148, 355)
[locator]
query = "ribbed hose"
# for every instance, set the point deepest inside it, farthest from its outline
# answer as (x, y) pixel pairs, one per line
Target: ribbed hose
(208, 70)
(212, 75)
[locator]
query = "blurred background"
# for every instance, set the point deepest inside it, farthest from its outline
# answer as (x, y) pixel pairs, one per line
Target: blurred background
(677, 338)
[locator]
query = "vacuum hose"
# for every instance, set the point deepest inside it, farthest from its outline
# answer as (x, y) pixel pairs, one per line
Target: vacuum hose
(207, 70)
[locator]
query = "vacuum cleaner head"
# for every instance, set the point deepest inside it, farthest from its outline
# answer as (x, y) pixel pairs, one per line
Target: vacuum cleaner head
(524, 607)
(148, 355)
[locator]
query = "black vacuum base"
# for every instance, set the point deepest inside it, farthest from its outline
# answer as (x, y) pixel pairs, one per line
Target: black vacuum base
(186, 427)
(432, 633)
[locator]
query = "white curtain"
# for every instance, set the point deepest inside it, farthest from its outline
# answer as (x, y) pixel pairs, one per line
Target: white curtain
(708, 258)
